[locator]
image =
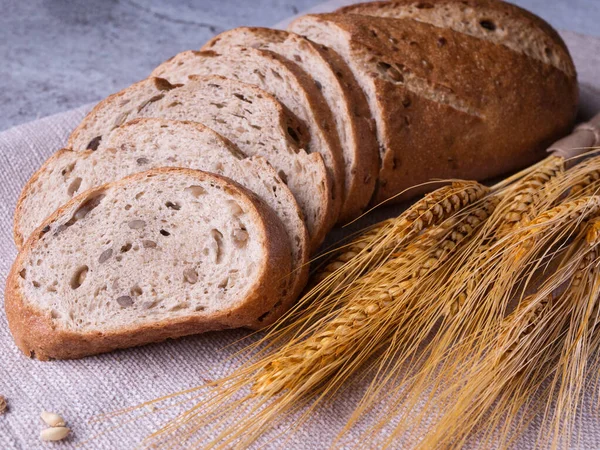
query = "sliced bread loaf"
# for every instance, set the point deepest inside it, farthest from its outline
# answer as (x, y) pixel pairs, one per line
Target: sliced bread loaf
(246, 115)
(447, 104)
(286, 81)
(344, 97)
(144, 144)
(118, 267)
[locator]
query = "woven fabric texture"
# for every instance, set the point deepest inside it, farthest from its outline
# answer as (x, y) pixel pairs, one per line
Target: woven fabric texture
(81, 390)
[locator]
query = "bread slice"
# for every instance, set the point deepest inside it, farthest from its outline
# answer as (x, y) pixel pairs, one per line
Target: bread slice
(119, 266)
(344, 97)
(286, 81)
(246, 115)
(447, 104)
(490, 20)
(144, 144)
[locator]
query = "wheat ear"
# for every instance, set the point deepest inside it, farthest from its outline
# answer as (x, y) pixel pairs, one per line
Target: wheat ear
(370, 250)
(388, 235)
(505, 276)
(526, 351)
(518, 203)
(375, 245)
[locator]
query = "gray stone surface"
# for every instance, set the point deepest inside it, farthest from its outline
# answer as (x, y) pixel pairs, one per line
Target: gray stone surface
(58, 54)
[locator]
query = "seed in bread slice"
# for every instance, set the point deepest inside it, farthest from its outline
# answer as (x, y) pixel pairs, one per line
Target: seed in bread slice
(291, 85)
(144, 144)
(118, 266)
(345, 99)
(246, 115)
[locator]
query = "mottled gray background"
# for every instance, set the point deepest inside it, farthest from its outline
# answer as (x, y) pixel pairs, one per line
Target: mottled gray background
(59, 54)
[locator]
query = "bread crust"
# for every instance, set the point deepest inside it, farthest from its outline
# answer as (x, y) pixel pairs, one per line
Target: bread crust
(20, 211)
(37, 336)
(475, 110)
(531, 25)
(361, 156)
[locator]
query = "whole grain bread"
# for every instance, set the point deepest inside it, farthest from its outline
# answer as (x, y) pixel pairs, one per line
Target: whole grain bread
(448, 104)
(344, 97)
(246, 115)
(117, 267)
(144, 144)
(292, 86)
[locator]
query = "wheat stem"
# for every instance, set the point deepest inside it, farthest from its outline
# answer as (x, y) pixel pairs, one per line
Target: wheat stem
(388, 236)
(525, 353)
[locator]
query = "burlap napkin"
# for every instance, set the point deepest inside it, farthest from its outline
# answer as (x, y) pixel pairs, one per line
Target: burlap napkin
(80, 390)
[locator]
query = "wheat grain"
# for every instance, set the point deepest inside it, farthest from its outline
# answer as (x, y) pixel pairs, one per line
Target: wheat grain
(54, 433)
(52, 419)
(522, 198)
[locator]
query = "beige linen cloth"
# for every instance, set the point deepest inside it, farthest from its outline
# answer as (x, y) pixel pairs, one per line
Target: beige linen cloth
(81, 390)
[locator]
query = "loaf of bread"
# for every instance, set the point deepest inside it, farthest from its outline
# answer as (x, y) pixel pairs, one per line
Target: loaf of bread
(144, 144)
(156, 255)
(249, 117)
(344, 97)
(124, 241)
(447, 103)
(293, 87)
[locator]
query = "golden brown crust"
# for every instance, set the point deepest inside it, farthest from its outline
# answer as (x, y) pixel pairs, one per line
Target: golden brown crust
(533, 27)
(37, 336)
(470, 108)
(19, 209)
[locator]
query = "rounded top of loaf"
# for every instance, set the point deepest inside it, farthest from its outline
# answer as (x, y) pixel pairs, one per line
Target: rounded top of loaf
(490, 20)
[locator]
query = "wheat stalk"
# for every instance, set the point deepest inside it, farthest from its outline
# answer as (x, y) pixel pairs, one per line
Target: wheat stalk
(377, 243)
(465, 274)
(370, 250)
(521, 254)
(532, 344)
(387, 235)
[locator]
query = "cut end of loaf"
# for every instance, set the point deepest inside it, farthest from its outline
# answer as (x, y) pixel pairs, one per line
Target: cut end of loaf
(160, 254)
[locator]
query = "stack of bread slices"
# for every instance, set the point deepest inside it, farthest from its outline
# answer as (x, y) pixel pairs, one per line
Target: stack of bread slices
(193, 200)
